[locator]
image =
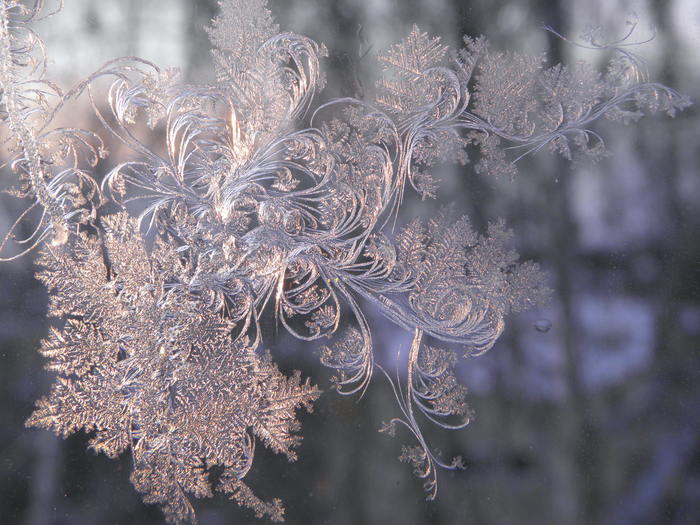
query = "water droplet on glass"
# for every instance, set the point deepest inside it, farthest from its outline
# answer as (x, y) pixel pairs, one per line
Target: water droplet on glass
(543, 325)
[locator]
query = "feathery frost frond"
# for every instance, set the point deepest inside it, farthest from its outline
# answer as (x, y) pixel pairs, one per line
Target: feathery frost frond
(145, 363)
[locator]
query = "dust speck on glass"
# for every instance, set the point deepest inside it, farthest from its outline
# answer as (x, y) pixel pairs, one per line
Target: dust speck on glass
(262, 204)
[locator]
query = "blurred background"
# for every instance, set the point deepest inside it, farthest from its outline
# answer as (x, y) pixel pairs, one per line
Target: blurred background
(593, 421)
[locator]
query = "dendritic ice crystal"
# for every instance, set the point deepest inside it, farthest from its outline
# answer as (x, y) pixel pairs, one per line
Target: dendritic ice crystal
(261, 205)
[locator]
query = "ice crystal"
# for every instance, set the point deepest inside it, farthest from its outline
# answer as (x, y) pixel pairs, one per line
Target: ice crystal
(259, 208)
(146, 363)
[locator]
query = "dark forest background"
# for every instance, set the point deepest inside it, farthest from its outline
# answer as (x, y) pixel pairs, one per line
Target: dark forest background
(595, 421)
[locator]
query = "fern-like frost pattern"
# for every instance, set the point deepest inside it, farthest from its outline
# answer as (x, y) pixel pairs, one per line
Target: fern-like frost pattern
(264, 205)
(146, 364)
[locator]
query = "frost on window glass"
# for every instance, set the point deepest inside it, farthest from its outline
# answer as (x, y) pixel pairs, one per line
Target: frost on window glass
(262, 204)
